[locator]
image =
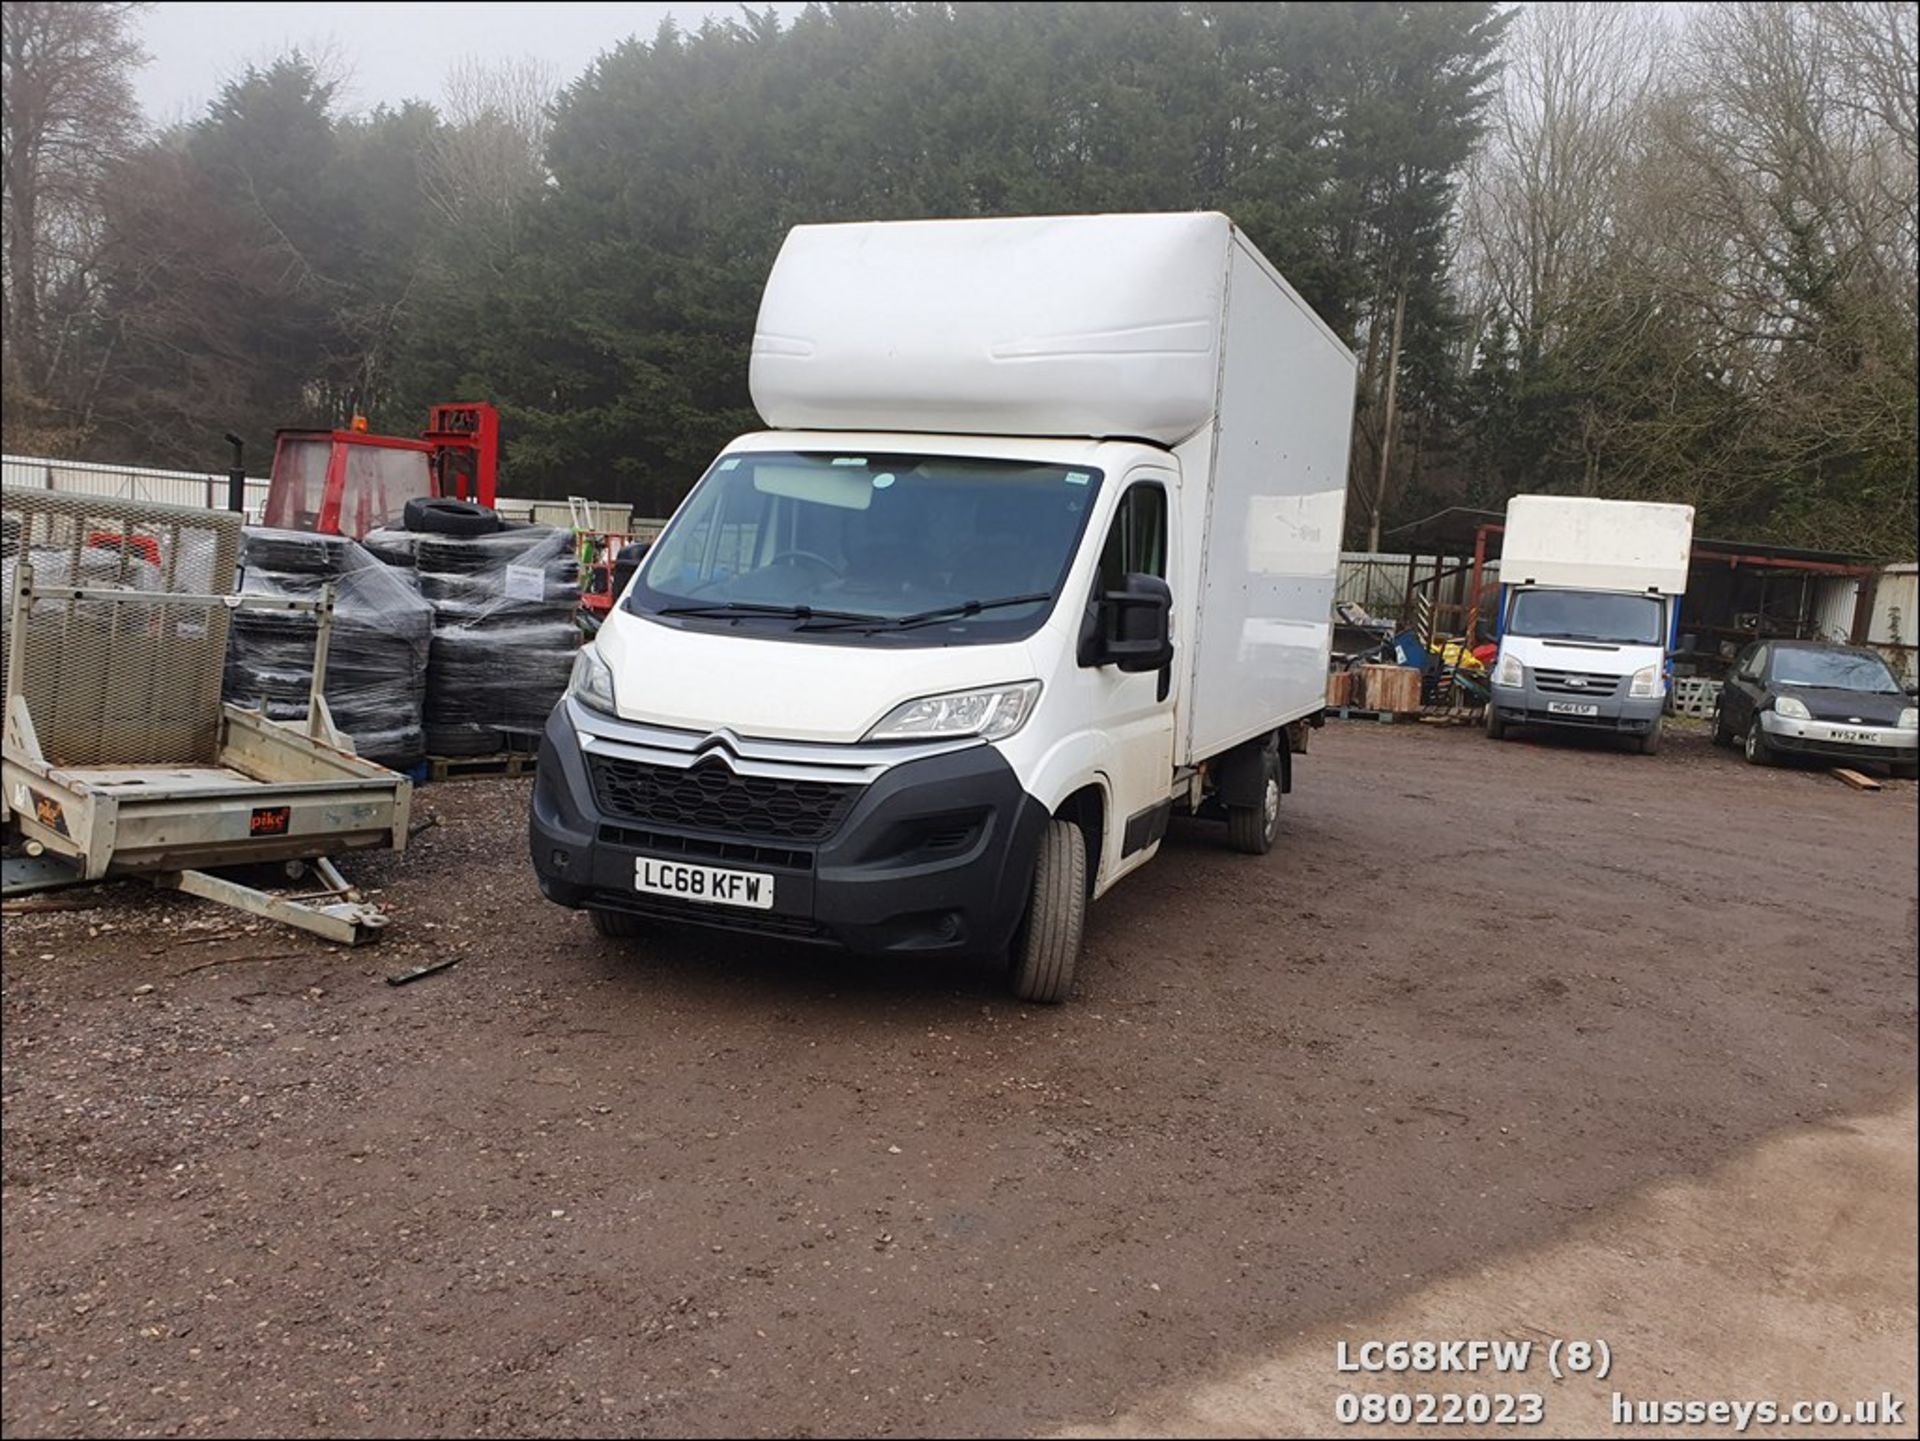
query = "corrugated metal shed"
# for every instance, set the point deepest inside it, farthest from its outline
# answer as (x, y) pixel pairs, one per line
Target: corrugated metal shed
(1894, 627)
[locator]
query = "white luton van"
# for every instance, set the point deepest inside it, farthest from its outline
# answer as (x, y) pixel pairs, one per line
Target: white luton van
(1040, 547)
(1589, 606)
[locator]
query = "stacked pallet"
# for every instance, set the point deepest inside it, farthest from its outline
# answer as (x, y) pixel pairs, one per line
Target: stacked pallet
(1390, 689)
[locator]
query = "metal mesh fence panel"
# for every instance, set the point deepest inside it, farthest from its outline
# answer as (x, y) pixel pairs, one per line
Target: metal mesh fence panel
(127, 679)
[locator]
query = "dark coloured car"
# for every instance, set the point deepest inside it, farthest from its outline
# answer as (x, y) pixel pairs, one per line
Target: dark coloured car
(1830, 702)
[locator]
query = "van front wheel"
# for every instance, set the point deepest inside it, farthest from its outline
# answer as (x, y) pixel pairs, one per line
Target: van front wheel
(1047, 946)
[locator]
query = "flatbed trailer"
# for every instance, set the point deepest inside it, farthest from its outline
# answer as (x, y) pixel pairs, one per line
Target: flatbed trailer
(120, 758)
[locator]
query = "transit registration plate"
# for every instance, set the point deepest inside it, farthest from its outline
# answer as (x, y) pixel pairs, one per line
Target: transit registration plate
(709, 884)
(1572, 707)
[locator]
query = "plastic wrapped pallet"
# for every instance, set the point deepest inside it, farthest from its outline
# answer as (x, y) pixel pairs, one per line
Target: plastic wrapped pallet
(376, 657)
(504, 635)
(392, 546)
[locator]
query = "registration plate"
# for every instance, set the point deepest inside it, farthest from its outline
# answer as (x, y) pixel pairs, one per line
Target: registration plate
(1572, 707)
(703, 883)
(1863, 738)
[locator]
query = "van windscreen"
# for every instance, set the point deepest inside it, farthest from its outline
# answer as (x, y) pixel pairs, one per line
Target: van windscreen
(782, 538)
(1590, 615)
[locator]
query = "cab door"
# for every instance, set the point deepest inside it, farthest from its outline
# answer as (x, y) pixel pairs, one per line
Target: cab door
(1741, 691)
(1135, 710)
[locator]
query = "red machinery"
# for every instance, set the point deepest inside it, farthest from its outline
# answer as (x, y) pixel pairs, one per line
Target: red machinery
(347, 482)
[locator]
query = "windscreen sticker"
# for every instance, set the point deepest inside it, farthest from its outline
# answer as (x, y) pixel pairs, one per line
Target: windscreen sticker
(849, 460)
(729, 464)
(1078, 477)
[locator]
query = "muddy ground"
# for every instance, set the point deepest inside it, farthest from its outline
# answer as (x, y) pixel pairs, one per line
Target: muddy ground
(1480, 998)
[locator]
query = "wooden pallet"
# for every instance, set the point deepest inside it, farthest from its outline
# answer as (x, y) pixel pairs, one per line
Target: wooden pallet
(1354, 712)
(501, 763)
(1695, 696)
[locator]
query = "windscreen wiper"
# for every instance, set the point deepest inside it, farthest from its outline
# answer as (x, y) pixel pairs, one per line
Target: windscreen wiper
(945, 612)
(785, 612)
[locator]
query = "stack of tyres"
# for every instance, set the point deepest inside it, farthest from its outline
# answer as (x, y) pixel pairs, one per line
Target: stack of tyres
(504, 635)
(392, 546)
(377, 654)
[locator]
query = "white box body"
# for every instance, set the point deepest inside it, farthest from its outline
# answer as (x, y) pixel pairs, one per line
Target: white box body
(1581, 543)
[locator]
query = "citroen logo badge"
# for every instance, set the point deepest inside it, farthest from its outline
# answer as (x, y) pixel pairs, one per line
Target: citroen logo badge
(722, 745)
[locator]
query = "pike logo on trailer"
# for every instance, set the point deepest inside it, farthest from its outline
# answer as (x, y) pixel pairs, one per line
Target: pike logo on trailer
(269, 820)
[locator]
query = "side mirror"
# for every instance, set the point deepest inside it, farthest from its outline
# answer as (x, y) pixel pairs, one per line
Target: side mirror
(1130, 628)
(626, 561)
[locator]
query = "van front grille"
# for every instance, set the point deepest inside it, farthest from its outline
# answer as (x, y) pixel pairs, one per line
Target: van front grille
(704, 848)
(1584, 684)
(711, 798)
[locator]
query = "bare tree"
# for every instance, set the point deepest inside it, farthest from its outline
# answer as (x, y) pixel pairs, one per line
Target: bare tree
(68, 112)
(1563, 136)
(486, 167)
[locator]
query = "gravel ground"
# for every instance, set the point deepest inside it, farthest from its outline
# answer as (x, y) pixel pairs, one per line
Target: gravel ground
(1479, 996)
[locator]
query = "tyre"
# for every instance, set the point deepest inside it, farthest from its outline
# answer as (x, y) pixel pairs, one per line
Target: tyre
(458, 738)
(473, 555)
(442, 515)
(1758, 750)
(398, 748)
(1905, 770)
(1722, 737)
(1650, 742)
(294, 552)
(1251, 829)
(619, 925)
(1047, 946)
(391, 547)
(1496, 727)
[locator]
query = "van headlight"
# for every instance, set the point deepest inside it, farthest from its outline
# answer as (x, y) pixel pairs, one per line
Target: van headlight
(1510, 672)
(592, 681)
(993, 714)
(1792, 708)
(1646, 683)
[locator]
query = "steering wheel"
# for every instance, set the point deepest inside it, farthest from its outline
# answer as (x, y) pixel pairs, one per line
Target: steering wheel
(787, 557)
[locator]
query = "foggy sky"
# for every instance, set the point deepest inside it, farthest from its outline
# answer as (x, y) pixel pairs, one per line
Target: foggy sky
(389, 52)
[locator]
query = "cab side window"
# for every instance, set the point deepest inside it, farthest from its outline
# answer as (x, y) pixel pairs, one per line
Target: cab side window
(1756, 665)
(1137, 542)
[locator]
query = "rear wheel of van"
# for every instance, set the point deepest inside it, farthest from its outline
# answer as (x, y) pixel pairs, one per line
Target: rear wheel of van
(1047, 946)
(1251, 829)
(619, 925)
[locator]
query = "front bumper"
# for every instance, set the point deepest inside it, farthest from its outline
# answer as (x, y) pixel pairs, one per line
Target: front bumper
(934, 856)
(1839, 741)
(1527, 705)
